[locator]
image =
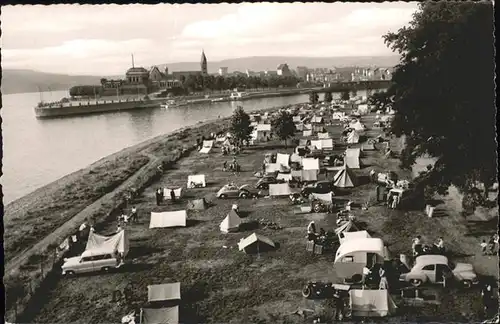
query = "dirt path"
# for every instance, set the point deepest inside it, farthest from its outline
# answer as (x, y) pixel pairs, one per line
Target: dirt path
(79, 218)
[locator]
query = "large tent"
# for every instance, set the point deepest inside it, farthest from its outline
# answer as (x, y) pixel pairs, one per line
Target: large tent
(309, 175)
(197, 204)
(326, 197)
(261, 132)
(323, 135)
(207, 146)
(279, 189)
(166, 315)
(310, 164)
(177, 193)
(353, 137)
(255, 243)
(371, 303)
(231, 223)
(194, 180)
(307, 133)
(344, 178)
(108, 244)
(282, 159)
(352, 158)
(163, 292)
(168, 219)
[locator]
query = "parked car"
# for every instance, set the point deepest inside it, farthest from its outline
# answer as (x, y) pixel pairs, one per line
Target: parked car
(438, 269)
(265, 181)
(320, 187)
(91, 261)
(229, 191)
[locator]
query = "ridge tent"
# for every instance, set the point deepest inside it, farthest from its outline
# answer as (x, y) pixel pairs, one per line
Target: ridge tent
(168, 219)
(318, 128)
(308, 127)
(197, 204)
(353, 137)
(231, 223)
(166, 315)
(299, 126)
(303, 142)
(196, 180)
(284, 176)
(295, 158)
(279, 189)
(263, 128)
(344, 178)
(309, 175)
(371, 303)
(323, 135)
(226, 142)
(352, 158)
(163, 292)
(346, 227)
(328, 197)
(177, 193)
(327, 144)
(363, 109)
(118, 242)
(307, 133)
(274, 167)
(317, 120)
(367, 147)
(207, 146)
(357, 126)
(310, 164)
(282, 159)
(318, 144)
(255, 243)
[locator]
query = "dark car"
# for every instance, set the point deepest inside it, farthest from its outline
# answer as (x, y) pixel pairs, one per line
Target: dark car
(320, 187)
(265, 181)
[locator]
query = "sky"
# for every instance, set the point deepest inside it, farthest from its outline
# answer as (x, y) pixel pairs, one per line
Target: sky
(99, 40)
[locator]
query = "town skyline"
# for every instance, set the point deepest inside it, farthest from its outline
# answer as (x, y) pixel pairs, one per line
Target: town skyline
(81, 40)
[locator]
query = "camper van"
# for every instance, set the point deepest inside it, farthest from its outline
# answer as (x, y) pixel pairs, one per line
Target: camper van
(91, 261)
(365, 251)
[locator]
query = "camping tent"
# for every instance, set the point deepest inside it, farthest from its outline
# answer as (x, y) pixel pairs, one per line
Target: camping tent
(352, 158)
(308, 127)
(168, 219)
(284, 176)
(166, 315)
(163, 292)
(279, 189)
(274, 167)
(327, 144)
(207, 146)
(309, 175)
(346, 227)
(307, 133)
(231, 223)
(318, 144)
(295, 158)
(317, 120)
(282, 159)
(328, 197)
(344, 178)
(363, 109)
(371, 303)
(338, 115)
(296, 119)
(197, 204)
(357, 126)
(323, 135)
(367, 147)
(194, 180)
(255, 243)
(310, 164)
(114, 243)
(353, 137)
(177, 193)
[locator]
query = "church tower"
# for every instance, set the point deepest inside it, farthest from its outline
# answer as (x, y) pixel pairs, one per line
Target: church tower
(204, 70)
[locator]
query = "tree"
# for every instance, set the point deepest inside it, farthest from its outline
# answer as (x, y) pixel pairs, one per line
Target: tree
(354, 93)
(345, 95)
(444, 95)
(240, 128)
(313, 97)
(283, 126)
(328, 97)
(381, 100)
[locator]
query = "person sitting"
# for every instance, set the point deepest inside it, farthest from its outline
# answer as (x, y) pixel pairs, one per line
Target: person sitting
(311, 231)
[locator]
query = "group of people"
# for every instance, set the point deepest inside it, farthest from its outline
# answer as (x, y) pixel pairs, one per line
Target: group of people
(376, 276)
(393, 201)
(233, 166)
(124, 219)
(417, 246)
(312, 235)
(490, 247)
(160, 196)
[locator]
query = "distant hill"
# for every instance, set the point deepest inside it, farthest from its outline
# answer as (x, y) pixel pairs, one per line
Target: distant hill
(262, 63)
(19, 81)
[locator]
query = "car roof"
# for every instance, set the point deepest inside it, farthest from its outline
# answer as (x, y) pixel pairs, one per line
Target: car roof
(431, 259)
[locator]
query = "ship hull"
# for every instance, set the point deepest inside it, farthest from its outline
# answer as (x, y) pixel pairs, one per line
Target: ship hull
(85, 109)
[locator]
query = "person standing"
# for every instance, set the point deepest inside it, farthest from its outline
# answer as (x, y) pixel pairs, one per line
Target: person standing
(133, 216)
(159, 197)
(487, 298)
(172, 195)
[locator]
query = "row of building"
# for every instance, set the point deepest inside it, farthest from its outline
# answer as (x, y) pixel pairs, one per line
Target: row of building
(139, 80)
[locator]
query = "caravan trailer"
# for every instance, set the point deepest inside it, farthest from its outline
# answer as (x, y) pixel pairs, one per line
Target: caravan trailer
(366, 251)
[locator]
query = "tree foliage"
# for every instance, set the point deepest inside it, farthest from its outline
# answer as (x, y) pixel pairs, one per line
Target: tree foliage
(380, 100)
(240, 128)
(218, 83)
(328, 97)
(283, 126)
(345, 95)
(443, 92)
(313, 97)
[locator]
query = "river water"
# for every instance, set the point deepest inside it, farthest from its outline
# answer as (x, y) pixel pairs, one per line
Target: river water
(37, 152)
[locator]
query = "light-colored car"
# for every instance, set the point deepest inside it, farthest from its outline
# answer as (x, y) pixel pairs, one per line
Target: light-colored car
(229, 191)
(91, 261)
(438, 269)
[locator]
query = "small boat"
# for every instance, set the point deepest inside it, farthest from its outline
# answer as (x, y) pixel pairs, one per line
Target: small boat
(218, 99)
(238, 95)
(172, 104)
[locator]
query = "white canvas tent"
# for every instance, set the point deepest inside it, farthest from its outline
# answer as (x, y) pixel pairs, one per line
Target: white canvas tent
(357, 126)
(275, 167)
(279, 189)
(371, 303)
(255, 242)
(108, 244)
(327, 144)
(353, 137)
(163, 292)
(295, 158)
(177, 193)
(166, 315)
(231, 223)
(307, 133)
(317, 120)
(363, 109)
(338, 115)
(194, 180)
(309, 175)
(327, 197)
(308, 127)
(284, 176)
(282, 159)
(352, 158)
(296, 119)
(323, 135)
(317, 144)
(367, 147)
(168, 219)
(207, 146)
(344, 178)
(310, 164)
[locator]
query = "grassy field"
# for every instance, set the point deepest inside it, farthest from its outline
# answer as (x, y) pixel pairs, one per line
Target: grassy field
(220, 284)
